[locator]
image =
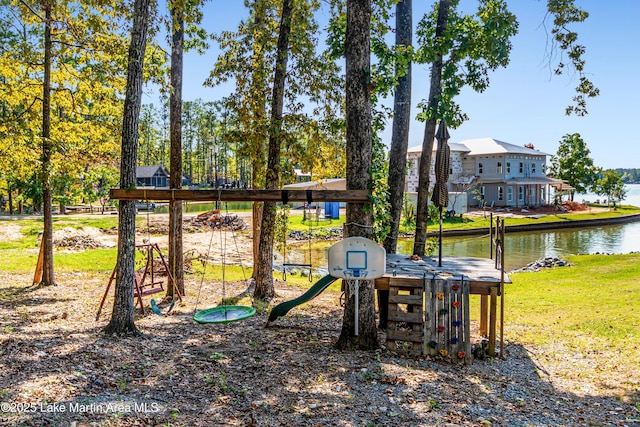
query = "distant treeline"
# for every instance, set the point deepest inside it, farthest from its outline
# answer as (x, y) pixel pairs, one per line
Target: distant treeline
(629, 176)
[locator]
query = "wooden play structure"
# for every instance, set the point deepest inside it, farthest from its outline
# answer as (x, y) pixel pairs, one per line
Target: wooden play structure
(431, 317)
(354, 196)
(428, 298)
(142, 287)
(429, 302)
(147, 281)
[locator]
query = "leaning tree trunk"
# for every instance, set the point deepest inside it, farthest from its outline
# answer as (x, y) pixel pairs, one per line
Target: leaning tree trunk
(359, 158)
(401, 122)
(48, 277)
(399, 142)
(264, 277)
(122, 317)
(424, 180)
(176, 259)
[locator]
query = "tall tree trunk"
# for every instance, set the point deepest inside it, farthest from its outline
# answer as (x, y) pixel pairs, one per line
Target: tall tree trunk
(257, 166)
(359, 158)
(48, 277)
(401, 123)
(399, 143)
(424, 180)
(10, 200)
(122, 317)
(176, 259)
(264, 277)
(256, 215)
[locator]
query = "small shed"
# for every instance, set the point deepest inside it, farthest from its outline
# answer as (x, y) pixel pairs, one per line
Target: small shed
(322, 184)
(331, 209)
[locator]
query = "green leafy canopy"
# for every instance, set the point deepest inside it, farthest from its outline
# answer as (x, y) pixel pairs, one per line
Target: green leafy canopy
(472, 46)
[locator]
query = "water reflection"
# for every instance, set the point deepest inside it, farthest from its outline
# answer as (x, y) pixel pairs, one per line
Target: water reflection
(520, 248)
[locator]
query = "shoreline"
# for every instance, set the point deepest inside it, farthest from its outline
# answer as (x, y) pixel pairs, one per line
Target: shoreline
(542, 226)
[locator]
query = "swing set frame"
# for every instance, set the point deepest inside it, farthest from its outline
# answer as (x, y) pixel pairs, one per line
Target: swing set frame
(219, 195)
(145, 283)
(352, 196)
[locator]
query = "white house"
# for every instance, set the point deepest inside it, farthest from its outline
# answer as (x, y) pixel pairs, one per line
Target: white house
(493, 173)
(456, 175)
(413, 165)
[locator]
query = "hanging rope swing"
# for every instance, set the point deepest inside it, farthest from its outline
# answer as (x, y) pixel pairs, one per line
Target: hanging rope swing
(306, 266)
(222, 313)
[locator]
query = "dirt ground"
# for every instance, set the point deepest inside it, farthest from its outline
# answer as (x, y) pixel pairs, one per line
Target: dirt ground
(566, 208)
(57, 368)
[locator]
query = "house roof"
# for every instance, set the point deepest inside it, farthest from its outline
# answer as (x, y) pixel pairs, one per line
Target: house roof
(453, 146)
(483, 146)
(150, 171)
(325, 184)
(562, 186)
(543, 180)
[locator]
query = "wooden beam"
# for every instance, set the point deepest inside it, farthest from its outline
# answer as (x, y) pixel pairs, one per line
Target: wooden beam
(354, 196)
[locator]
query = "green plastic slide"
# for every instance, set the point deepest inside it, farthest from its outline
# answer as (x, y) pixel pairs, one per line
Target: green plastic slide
(283, 308)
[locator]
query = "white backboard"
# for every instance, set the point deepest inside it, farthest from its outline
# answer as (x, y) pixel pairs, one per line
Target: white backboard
(357, 258)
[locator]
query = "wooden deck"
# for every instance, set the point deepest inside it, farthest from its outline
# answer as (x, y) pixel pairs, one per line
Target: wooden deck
(484, 280)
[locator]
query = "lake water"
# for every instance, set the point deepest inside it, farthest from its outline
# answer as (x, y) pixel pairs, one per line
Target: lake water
(523, 248)
(632, 197)
(520, 248)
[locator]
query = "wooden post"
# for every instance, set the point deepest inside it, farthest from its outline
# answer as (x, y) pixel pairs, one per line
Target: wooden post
(106, 291)
(502, 291)
(353, 196)
(496, 242)
(484, 306)
(491, 235)
(467, 322)
(492, 321)
(37, 278)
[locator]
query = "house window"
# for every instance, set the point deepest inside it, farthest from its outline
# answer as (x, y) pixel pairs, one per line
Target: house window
(412, 167)
(500, 168)
(542, 195)
(500, 193)
(520, 193)
(482, 193)
(521, 168)
(533, 168)
(543, 168)
(509, 194)
(508, 167)
(479, 167)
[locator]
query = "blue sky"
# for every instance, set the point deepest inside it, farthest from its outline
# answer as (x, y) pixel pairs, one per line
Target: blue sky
(524, 103)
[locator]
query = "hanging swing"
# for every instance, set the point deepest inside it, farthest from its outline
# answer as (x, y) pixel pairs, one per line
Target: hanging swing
(303, 266)
(146, 280)
(222, 313)
(154, 305)
(156, 309)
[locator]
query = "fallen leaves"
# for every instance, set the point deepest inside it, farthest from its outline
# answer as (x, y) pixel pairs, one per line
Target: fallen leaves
(242, 374)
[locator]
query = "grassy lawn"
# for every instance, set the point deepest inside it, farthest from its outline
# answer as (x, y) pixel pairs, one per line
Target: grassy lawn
(298, 223)
(467, 223)
(598, 297)
(591, 309)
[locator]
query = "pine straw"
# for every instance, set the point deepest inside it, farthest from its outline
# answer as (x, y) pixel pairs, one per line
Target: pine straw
(241, 374)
